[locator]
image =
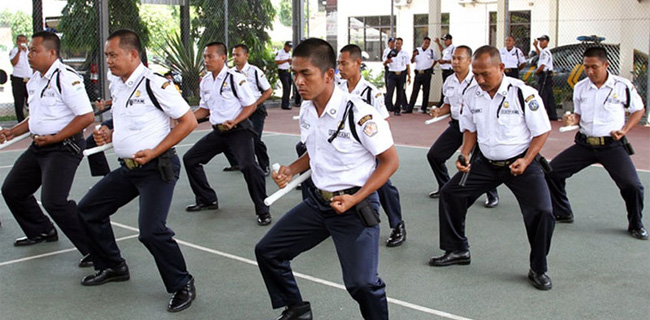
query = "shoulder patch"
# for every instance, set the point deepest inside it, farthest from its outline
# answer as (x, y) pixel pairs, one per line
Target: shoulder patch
(370, 128)
(165, 84)
(76, 83)
(533, 105)
(364, 119)
(242, 82)
(530, 97)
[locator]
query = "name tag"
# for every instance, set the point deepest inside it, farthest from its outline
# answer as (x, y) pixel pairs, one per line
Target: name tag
(475, 111)
(341, 134)
(136, 101)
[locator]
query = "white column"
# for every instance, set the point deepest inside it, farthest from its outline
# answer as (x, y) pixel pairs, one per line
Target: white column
(502, 8)
(434, 32)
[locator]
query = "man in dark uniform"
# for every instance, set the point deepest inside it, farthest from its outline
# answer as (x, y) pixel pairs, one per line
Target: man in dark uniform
(508, 132)
(283, 60)
(228, 100)
(343, 203)
(143, 104)
(60, 110)
(399, 71)
(601, 102)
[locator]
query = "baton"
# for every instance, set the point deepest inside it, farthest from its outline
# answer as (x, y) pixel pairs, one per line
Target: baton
(295, 117)
(436, 119)
(14, 140)
(289, 187)
(99, 112)
(98, 149)
(569, 128)
(461, 158)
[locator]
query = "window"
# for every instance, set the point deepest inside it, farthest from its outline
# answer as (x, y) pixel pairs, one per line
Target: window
(421, 27)
(519, 29)
(370, 33)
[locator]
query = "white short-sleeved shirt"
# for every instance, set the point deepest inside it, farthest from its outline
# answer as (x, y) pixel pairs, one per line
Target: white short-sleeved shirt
(453, 90)
(425, 58)
(217, 95)
(447, 54)
(344, 163)
(603, 110)
(399, 62)
(255, 79)
(22, 68)
(546, 59)
(137, 123)
(368, 93)
(55, 99)
(283, 55)
(512, 58)
(503, 128)
(384, 55)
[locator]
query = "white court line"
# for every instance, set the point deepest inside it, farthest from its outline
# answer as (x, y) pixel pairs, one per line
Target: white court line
(53, 253)
(307, 277)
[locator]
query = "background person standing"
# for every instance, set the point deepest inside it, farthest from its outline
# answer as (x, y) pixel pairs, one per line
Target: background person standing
(544, 75)
(21, 74)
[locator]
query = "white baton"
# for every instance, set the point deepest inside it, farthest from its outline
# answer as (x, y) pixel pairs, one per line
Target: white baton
(295, 117)
(14, 140)
(98, 149)
(569, 128)
(436, 119)
(290, 186)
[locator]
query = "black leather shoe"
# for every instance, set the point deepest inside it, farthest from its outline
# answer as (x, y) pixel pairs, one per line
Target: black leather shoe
(288, 108)
(397, 113)
(564, 219)
(182, 299)
(200, 207)
(50, 236)
(451, 258)
(231, 168)
(540, 280)
(264, 219)
(86, 262)
(119, 273)
(491, 202)
(398, 236)
(640, 234)
(407, 111)
(302, 312)
(434, 194)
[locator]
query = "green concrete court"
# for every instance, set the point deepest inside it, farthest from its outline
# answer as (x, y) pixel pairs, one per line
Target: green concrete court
(598, 270)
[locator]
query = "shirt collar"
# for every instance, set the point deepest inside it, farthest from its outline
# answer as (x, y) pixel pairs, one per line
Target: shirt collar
(359, 85)
(130, 82)
(244, 69)
(334, 104)
(55, 66)
(610, 82)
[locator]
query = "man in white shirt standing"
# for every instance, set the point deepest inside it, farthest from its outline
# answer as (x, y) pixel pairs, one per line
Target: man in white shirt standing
(544, 74)
(283, 60)
(513, 58)
(425, 59)
(398, 71)
(445, 61)
(21, 74)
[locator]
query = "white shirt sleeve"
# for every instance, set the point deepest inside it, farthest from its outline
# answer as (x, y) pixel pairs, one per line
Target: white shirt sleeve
(244, 92)
(466, 119)
(374, 132)
(13, 53)
(74, 93)
(203, 95)
(171, 101)
(535, 113)
(263, 82)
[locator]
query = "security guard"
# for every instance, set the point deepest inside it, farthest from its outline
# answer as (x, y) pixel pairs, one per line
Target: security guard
(228, 100)
(513, 58)
(450, 140)
(20, 75)
(544, 74)
(283, 60)
(143, 103)
(384, 56)
(261, 89)
(601, 102)
(59, 111)
(356, 85)
(510, 131)
(343, 135)
(398, 71)
(445, 60)
(425, 59)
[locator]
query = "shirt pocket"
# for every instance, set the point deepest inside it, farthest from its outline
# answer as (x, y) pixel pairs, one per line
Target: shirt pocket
(345, 154)
(510, 126)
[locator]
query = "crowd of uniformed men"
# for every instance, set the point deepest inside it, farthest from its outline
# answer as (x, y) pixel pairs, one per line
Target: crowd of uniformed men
(499, 123)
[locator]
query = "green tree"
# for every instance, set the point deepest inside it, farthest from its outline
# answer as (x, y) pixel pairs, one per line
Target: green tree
(286, 13)
(79, 24)
(19, 22)
(161, 21)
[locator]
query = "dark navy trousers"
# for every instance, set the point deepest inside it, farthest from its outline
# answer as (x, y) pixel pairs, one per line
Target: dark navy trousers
(531, 192)
(618, 164)
(261, 153)
(441, 150)
(396, 82)
(304, 227)
(545, 87)
(51, 168)
(116, 190)
(240, 142)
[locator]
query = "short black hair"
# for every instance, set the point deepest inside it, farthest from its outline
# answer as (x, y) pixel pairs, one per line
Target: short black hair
(353, 50)
(596, 52)
(222, 49)
(129, 40)
(50, 41)
(427, 38)
(490, 50)
(242, 46)
(400, 39)
(21, 36)
(466, 48)
(318, 51)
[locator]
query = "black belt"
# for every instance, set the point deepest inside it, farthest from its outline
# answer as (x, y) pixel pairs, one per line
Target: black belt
(594, 141)
(131, 164)
(425, 71)
(76, 136)
(221, 128)
(397, 73)
(327, 195)
(504, 163)
(19, 78)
